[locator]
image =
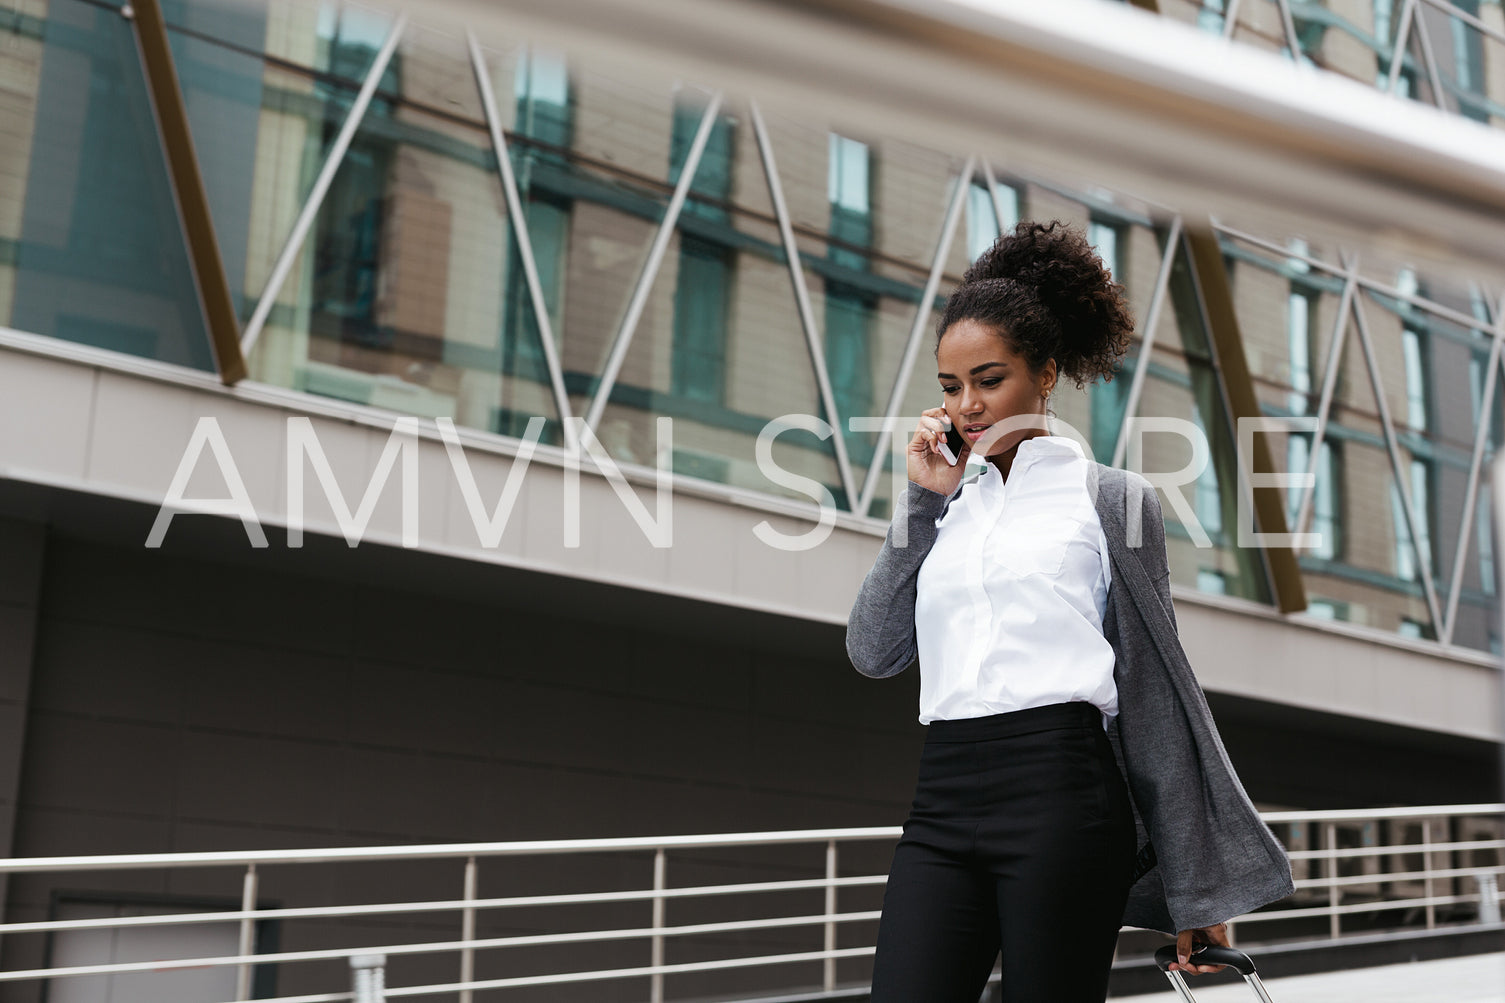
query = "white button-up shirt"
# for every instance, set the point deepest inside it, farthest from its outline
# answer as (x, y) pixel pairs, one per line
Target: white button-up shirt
(1011, 598)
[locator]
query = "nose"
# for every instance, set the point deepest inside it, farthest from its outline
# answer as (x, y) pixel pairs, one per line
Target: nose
(970, 404)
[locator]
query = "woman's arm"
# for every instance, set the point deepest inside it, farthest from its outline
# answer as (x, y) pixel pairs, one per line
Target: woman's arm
(881, 632)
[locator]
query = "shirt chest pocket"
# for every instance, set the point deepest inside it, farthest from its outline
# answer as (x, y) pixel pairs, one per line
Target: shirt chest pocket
(1034, 544)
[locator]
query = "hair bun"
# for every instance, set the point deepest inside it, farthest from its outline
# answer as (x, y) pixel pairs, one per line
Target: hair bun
(1047, 290)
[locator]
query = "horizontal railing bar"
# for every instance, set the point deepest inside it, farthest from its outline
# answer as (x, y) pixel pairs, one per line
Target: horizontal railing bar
(627, 973)
(608, 845)
(453, 905)
(1396, 849)
(1393, 876)
(1431, 811)
(442, 947)
(597, 976)
(439, 851)
(1328, 910)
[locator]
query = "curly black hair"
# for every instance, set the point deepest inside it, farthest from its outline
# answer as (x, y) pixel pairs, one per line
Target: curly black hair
(1048, 295)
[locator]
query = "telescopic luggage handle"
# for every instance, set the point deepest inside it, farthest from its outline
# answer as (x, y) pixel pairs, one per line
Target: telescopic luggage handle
(1210, 954)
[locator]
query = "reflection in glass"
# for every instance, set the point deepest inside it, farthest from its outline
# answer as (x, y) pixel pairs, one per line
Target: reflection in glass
(984, 211)
(1106, 237)
(702, 295)
(850, 310)
(98, 257)
(1485, 534)
(1301, 313)
(1186, 385)
(1324, 520)
(1408, 549)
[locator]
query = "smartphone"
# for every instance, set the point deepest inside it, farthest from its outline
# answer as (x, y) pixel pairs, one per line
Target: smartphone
(952, 445)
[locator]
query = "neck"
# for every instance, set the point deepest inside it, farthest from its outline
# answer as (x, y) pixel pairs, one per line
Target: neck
(1004, 461)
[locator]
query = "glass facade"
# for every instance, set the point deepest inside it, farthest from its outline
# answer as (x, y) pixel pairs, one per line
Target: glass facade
(416, 291)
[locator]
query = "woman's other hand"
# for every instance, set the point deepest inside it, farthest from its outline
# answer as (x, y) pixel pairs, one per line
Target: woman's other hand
(927, 467)
(1186, 939)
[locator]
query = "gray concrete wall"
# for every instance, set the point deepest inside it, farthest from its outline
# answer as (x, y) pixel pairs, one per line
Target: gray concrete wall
(187, 704)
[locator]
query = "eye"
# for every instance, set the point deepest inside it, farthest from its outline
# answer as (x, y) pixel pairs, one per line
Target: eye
(992, 381)
(950, 390)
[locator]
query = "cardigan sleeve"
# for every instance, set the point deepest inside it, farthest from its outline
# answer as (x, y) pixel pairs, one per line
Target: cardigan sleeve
(1216, 858)
(881, 631)
(1154, 542)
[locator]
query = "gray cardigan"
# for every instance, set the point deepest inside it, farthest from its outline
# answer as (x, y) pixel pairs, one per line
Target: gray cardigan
(1205, 854)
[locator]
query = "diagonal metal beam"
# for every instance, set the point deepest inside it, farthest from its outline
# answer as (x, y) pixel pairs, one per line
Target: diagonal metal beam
(1147, 342)
(188, 190)
(992, 183)
(644, 286)
(802, 301)
(1470, 496)
(1230, 18)
(922, 316)
(1329, 386)
(1402, 37)
(310, 211)
(1402, 480)
(524, 240)
(1429, 56)
(1288, 25)
(1431, 307)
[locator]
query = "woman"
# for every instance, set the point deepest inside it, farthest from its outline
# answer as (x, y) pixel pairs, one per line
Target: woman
(1072, 779)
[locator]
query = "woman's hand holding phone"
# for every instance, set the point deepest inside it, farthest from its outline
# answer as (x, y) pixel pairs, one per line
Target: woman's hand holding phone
(928, 465)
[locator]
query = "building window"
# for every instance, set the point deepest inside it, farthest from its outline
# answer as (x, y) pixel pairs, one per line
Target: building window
(1406, 555)
(1214, 582)
(347, 251)
(1326, 493)
(1478, 360)
(1211, 14)
(1414, 351)
(983, 215)
(1468, 63)
(543, 113)
(713, 175)
(1412, 342)
(1301, 316)
(1482, 518)
(849, 192)
(702, 296)
(1109, 401)
(1385, 30)
(1325, 609)
(698, 367)
(1109, 240)
(1414, 629)
(1208, 503)
(849, 311)
(542, 85)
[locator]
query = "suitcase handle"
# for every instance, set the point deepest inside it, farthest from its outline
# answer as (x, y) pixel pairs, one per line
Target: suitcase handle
(1208, 954)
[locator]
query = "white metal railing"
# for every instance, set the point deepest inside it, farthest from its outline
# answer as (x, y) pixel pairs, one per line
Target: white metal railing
(1381, 880)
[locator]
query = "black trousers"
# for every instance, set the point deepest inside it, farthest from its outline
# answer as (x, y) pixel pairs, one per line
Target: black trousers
(1021, 838)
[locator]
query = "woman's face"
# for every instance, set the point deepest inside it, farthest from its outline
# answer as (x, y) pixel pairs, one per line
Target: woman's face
(984, 381)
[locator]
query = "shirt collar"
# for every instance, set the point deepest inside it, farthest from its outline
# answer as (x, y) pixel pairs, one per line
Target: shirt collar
(1039, 446)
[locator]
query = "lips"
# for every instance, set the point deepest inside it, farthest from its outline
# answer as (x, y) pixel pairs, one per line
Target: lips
(974, 432)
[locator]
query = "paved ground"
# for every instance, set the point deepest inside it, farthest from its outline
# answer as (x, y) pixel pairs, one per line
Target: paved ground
(1476, 979)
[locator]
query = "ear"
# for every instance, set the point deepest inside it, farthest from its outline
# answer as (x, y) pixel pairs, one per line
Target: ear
(1048, 376)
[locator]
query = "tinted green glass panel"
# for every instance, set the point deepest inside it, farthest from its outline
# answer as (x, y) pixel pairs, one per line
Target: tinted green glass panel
(100, 257)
